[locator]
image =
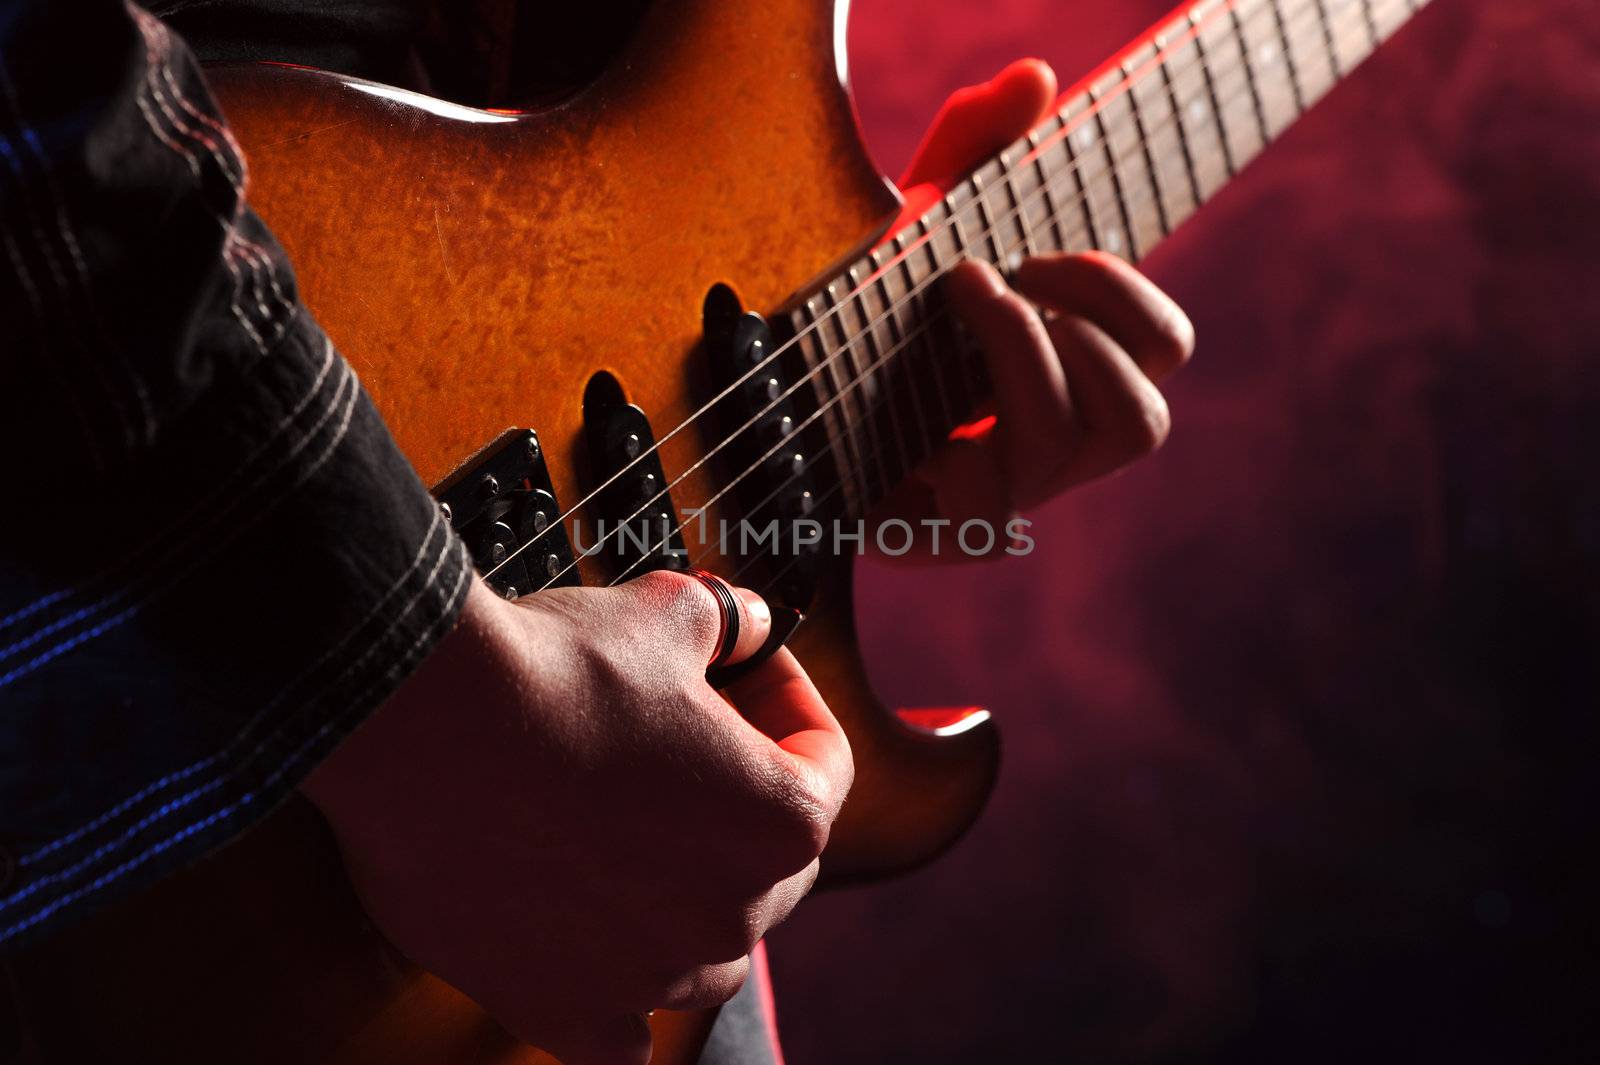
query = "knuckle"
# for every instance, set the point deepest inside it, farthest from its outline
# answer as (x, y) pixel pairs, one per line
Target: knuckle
(799, 825)
(682, 600)
(737, 934)
(1175, 335)
(1153, 424)
(1100, 260)
(708, 985)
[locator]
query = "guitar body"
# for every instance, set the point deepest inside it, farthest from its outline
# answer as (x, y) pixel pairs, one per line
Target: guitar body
(477, 269)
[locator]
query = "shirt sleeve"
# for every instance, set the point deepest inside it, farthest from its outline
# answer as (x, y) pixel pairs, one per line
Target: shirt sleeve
(214, 561)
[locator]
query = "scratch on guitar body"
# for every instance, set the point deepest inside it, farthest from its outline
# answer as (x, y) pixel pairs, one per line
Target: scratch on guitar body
(303, 135)
(444, 256)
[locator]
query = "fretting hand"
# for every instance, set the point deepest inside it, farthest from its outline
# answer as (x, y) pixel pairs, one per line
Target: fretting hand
(1076, 345)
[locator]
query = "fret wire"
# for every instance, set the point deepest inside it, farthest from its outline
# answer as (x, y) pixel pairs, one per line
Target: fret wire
(1083, 198)
(838, 414)
(979, 192)
(916, 303)
(1156, 183)
(960, 377)
(887, 386)
(1044, 183)
(1326, 18)
(1373, 38)
(892, 316)
(965, 355)
(1211, 90)
(862, 390)
(1263, 45)
(1117, 190)
(1351, 51)
(1177, 119)
(1016, 204)
(1249, 73)
(1319, 62)
(1288, 57)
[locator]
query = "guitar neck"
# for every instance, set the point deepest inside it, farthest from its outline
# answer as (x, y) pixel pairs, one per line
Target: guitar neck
(1130, 154)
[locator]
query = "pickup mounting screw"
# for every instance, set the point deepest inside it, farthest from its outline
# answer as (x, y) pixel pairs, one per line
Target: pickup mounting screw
(552, 566)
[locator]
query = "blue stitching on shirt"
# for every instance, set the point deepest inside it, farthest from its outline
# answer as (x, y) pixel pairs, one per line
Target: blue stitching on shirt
(62, 648)
(338, 437)
(183, 774)
(199, 826)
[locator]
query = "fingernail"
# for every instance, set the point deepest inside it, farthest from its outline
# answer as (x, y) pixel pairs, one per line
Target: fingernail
(756, 607)
(991, 282)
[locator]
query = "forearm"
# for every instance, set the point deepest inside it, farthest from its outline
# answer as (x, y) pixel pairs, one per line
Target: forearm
(224, 562)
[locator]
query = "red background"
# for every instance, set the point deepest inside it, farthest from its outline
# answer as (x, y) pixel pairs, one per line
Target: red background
(1298, 714)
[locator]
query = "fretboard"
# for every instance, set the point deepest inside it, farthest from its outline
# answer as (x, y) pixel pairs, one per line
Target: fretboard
(1133, 151)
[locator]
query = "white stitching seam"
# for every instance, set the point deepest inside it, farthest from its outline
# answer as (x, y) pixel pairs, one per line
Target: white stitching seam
(194, 167)
(159, 52)
(191, 524)
(209, 546)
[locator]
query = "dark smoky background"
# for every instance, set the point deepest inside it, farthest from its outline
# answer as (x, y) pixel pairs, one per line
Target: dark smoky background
(1299, 716)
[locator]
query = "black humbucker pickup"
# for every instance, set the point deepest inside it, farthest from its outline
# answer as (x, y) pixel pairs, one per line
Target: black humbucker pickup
(503, 505)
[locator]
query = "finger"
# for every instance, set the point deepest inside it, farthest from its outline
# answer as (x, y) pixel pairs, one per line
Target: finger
(755, 624)
(783, 898)
(694, 614)
(1122, 415)
(1113, 295)
(779, 700)
(707, 986)
(623, 1039)
(979, 120)
(1037, 429)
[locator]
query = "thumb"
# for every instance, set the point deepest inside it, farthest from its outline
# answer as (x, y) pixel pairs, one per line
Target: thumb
(778, 700)
(979, 120)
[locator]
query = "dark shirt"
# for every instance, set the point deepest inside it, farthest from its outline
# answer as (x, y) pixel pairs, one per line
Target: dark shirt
(377, 39)
(214, 561)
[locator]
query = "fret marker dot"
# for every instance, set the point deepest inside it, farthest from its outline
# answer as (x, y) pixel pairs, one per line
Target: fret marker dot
(1084, 136)
(1197, 110)
(1113, 241)
(1268, 54)
(1013, 261)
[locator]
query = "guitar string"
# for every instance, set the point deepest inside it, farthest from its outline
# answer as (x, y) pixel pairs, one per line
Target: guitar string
(1129, 81)
(815, 325)
(1372, 16)
(987, 234)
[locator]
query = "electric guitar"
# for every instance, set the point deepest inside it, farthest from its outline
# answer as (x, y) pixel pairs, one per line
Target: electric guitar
(681, 291)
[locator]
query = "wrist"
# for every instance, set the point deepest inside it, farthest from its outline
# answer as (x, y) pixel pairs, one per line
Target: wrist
(396, 736)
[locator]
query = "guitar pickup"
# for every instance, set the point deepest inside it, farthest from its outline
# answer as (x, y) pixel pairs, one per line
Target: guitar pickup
(504, 507)
(641, 530)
